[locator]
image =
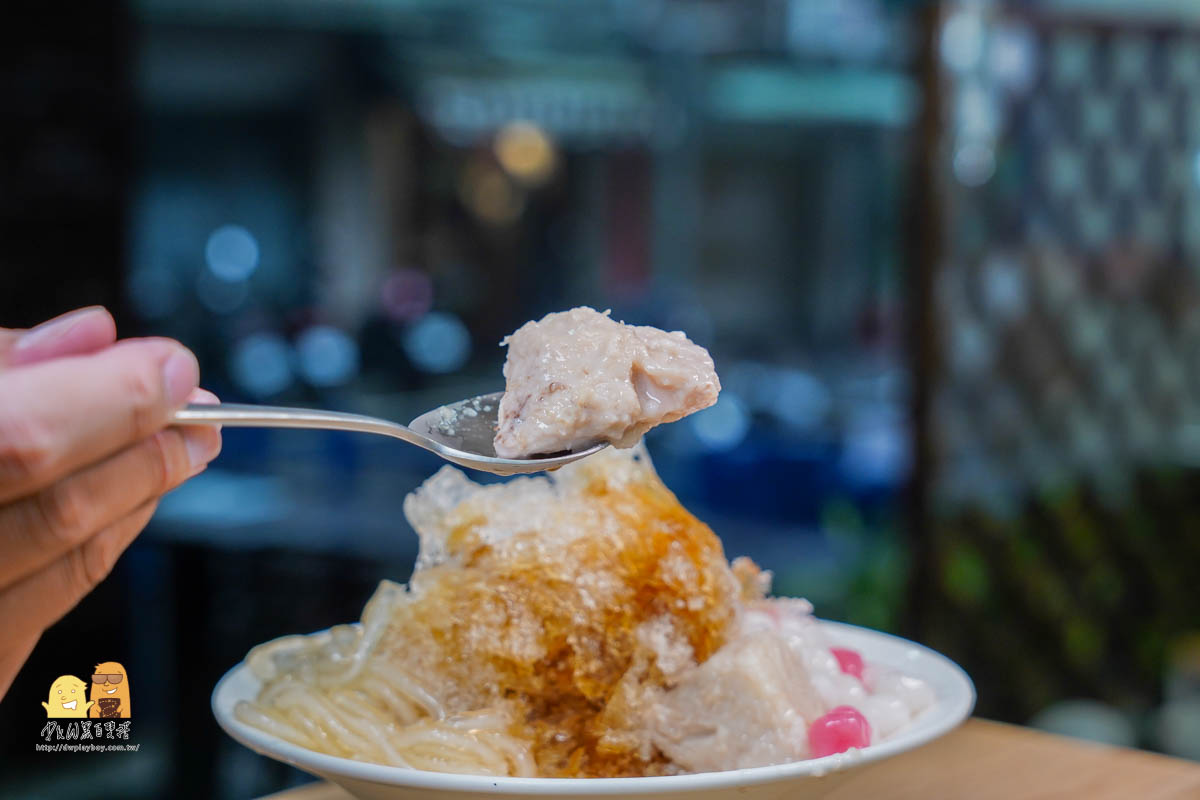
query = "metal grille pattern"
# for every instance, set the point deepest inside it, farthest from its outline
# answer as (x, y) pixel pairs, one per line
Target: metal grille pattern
(1064, 427)
(1069, 304)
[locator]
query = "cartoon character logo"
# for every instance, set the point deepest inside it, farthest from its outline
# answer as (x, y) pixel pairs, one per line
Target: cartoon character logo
(110, 691)
(66, 698)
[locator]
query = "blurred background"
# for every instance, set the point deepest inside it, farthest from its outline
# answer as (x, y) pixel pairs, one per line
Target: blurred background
(944, 255)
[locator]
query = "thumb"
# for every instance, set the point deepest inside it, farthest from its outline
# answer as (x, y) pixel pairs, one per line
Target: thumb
(79, 332)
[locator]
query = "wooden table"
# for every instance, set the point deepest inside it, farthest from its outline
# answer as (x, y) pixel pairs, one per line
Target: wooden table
(984, 760)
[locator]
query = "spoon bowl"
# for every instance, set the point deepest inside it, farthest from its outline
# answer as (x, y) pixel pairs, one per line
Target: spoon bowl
(459, 432)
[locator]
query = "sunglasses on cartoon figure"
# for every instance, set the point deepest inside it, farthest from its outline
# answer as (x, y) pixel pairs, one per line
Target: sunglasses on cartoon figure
(113, 679)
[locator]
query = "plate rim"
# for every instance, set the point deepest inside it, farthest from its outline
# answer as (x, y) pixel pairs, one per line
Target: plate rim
(960, 704)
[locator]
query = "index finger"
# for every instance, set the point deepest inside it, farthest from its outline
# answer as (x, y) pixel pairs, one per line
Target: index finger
(78, 332)
(60, 415)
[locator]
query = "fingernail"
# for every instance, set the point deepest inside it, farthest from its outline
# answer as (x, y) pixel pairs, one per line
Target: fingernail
(202, 443)
(203, 397)
(53, 329)
(181, 373)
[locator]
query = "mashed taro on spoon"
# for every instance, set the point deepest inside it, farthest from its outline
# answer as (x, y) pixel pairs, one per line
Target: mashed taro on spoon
(577, 377)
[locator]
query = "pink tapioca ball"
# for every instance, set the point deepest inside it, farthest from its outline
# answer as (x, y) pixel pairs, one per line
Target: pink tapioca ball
(849, 660)
(838, 731)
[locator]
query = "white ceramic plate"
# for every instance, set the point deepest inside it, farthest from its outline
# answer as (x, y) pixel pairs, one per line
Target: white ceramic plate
(812, 778)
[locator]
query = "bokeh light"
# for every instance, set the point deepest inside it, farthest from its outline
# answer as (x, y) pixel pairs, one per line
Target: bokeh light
(489, 194)
(526, 152)
(327, 356)
(1012, 57)
(723, 426)
(231, 253)
(876, 451)
(261, 364)
(974, 163)
(1005, 294)
(963, 41)
(800, 399)
(439, 343)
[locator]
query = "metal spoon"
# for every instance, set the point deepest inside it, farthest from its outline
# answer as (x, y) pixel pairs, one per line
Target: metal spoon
(461, 432)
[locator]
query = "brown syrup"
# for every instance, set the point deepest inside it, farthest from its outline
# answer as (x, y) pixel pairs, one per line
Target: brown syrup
(553, 632)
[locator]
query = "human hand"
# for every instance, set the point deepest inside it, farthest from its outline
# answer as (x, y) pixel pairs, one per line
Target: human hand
(85, 454)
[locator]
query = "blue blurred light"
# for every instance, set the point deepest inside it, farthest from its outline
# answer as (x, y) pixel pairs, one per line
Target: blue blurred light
(851, 29)
(963, 41)
(261, 364)
(977, 113)
(723, 426)
(970, 348)
(439, 342)
(1012, 56)
(876, 449)
(1004, 291)
(327, 356)
(974, 163)
(231, 253)
(801, 400)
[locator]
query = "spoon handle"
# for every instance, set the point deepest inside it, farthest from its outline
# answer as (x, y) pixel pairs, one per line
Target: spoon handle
(252, 416)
